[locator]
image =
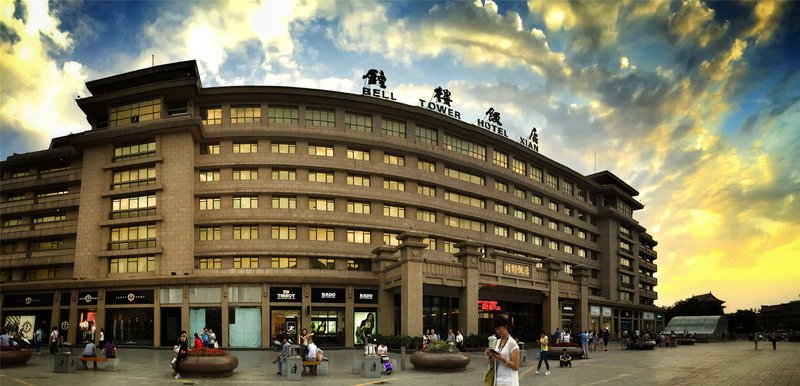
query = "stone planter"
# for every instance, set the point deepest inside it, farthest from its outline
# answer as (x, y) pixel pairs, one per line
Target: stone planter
(14, 357)
(217, 366)
(450, 361)
(646, 345)
(555, 352)
(685, 341)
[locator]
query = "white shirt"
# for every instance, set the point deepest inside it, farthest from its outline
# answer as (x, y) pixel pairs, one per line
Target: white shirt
(459, 338)
(312, 351)
(504, 375)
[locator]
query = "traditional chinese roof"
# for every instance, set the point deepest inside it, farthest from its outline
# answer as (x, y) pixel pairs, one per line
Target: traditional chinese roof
(707, 298)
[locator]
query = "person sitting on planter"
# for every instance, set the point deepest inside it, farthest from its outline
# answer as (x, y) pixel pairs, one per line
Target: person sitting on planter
(565, 360)
(90, 351)
(383, 352)
(182, 353)
(314, 354)
(111, 348)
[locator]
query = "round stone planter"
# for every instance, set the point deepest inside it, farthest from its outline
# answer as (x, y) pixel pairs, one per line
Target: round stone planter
(685, 341)
(555, 352)
(450, 361)
(215, 366)
(646, 345)
(14, 357)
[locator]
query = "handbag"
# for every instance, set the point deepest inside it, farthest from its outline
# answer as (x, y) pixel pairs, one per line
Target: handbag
(177, 347)
(488, 380)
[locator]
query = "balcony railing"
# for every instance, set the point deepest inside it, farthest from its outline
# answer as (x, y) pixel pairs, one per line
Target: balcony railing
(131, 244)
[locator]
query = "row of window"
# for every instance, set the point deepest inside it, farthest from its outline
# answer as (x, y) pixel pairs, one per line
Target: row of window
(253, 262)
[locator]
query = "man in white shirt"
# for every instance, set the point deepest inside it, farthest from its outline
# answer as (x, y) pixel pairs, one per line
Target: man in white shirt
(459, 340)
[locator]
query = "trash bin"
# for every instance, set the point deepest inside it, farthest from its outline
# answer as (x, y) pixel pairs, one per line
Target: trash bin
(294, 366)
(65, 362)
(523, 358)
(372, 367)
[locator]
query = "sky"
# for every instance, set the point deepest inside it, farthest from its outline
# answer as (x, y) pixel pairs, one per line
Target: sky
(695, 104)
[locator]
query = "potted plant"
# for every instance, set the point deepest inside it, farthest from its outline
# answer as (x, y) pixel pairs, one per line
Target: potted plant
(14, 356)
(439, 355)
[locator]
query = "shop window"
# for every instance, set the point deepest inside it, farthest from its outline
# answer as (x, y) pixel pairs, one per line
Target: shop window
(130, 326)
(328, 326)
(283, 262)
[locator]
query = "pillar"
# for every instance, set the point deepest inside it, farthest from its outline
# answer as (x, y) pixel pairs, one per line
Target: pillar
(349, 317)
(222, 335)
(411, 283)
(550, 311)
(581, 274)
(469, 255)
(72, 333)
(157, 318)
(266, 333)
(384, 256)
(100, 318)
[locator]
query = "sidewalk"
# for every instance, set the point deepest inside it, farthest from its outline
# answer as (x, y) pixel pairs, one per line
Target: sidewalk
(732, 363)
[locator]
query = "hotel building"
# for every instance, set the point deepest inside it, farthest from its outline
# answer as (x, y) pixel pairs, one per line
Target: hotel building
(257, 210)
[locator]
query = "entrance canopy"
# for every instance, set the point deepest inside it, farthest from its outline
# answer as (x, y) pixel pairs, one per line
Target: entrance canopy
(701, 326)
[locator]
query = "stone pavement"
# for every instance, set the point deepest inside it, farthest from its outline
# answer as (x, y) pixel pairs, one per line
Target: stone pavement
(731, 363)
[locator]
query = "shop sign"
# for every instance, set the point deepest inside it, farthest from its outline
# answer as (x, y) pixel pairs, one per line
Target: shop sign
(659, 316)
(515, 269)
(532, 142)
(649, 316)
(595, 310)
(365, 296)
(568, 307)
(33, 300)
(442, 104)
(285, 295)
(87, 298)
(129, 297)
(607, 311)
(327, 295)
(491, 122)
(488, 305)
(375, 85)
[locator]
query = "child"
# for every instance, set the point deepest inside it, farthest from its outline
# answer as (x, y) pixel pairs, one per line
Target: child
(565, 360)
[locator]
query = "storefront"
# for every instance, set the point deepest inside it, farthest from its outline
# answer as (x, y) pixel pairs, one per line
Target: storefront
(365, 316)
(129, 317)
(87, 317)
(170, 300)
(205, 311)
(25, 313)
(568, 316)
(285, 312)
(523, 308)
(63, 317)
(244, 316)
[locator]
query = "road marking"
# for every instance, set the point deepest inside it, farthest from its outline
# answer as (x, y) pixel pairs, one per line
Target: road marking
(524, 373)
(18, 380)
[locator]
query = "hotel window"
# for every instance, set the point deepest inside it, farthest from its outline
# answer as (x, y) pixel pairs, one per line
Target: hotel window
(357, 180)
(245, 232)
(500, 159)
(568, 211)
(624, 296)
(390, 238)
(134, 178)
(519, 166)
(135, 112)
(245, 202)
(10, 222)
(320, 176)
(501, 186)
(51, 193)
(209, 175)
(283, 148)
(426, 166)
(361, 155)
(552, 225)
(625, 279)
(568, 269)
(501, 231)
(500, 208)
(450, 246)
(245, 174)
(464, 199)
(132, 237)
(283, 262)
(426, 135)
(132, 264)
(553, 206)
(552, 181)
(625, 208)
(21, 173)
(210, 233)
(320, 117)
(393, 128)
(284, 232)
(133, 206)
(211, 115)
(519, 193)
(465, 147)
(595, 292)
(536, 199)
(320, 234)
(536, 219)
(320, 263)
(358, 122)
(49, 218)
(359, 265)
(245, 262)
(625, 246)
(431, 242)
(245, 114)
(581, 253)
(537, 240)
(394, 211)
(209, 148)
(16, 197)
(535, 174)
(581, 193)
(568, 229)
(552, 245)
(284, 202)
(464, 176)
(519, 213)
(358, 236)
(135, 151)
(520, 236)
(322, 151)
(425, 215)
(209, 263)
(624, 262)
(210, 203)
(463, 223)
(245, 147)
(59, 167)
(321, 204)
(625, 231)
(46, 245)
(283, 114)
(426, 190)
(568, 188)
(390, 184)
(568, 248)
(392, 159)
(284, 174)
(358, 207)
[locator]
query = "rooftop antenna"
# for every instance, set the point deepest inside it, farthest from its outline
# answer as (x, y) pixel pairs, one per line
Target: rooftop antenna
(152, 60)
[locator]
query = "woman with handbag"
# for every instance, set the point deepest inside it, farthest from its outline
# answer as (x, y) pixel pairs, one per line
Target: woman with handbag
(503, 357)
(181, 351)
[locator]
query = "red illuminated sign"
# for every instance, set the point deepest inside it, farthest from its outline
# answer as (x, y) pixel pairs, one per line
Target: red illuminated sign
(488, 305)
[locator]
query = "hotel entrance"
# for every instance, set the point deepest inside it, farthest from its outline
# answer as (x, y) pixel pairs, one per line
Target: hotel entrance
(523, 308)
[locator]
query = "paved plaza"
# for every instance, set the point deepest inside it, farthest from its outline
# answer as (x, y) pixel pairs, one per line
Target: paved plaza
(732, 363)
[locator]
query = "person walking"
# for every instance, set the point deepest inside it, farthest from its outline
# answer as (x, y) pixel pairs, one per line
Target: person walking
(605, 338)
(285, 353)
(212, 339)
(459, 340)
(183, 352)
(584, 338)
(773, 337)
(755, 339)
(54, 338)
(504, 356)
(37, 340)
(543, 347)
(451, 337)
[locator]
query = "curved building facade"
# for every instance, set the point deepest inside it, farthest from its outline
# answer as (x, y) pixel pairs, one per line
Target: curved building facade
(258, 211)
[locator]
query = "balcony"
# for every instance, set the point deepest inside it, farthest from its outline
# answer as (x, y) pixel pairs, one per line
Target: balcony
(626, 286)
(38, 180)
(64, 256)
(648, 279)
(625, 268)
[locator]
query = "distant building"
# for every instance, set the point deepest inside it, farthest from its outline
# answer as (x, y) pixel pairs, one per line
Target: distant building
(784, 316)
(710, 303)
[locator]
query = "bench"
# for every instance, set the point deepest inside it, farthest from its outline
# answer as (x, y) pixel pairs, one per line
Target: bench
(92, 359)
(312, 367)
(111, 364)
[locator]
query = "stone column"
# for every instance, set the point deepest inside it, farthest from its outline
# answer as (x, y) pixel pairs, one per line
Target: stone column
(550, 311)
(266, 333)
(156, 318)
(100, 317)
(411, 284)
(469, 256)
(72, 333)
(384, 257)
(222, 334)
(581, 273)
(349, 317)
